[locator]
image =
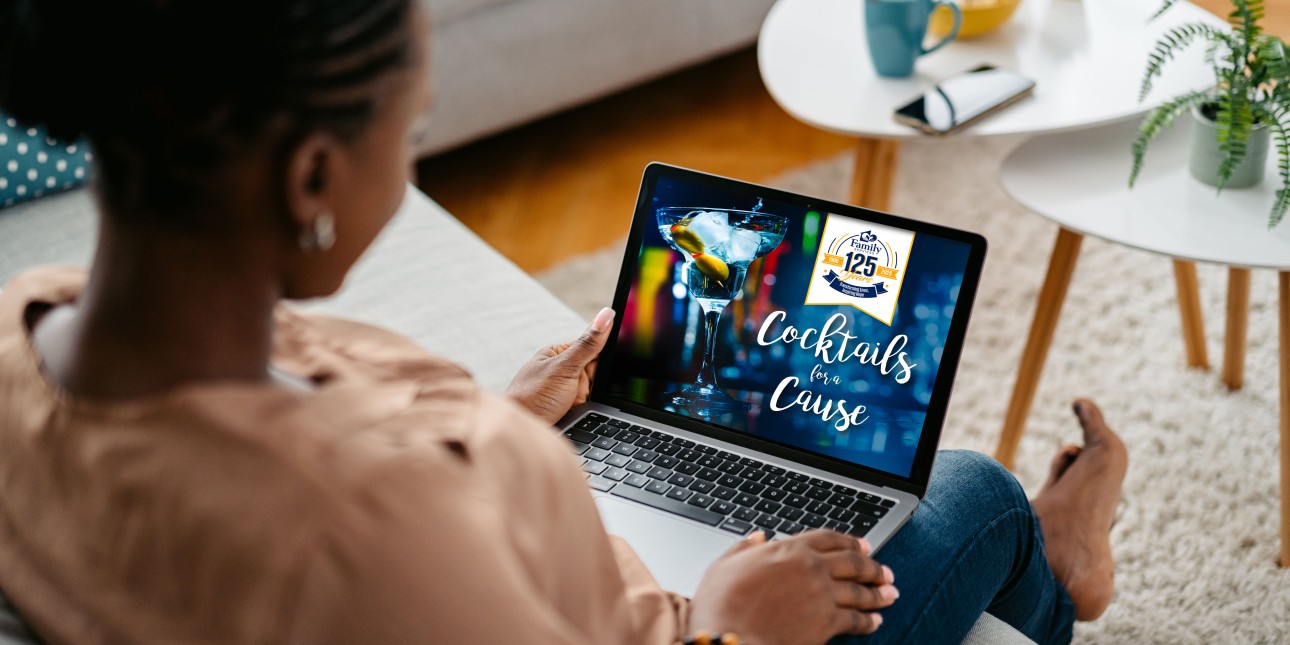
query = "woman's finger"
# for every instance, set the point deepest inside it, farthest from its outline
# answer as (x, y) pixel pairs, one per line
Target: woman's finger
(854, 595)
(855, 621)
(851, 565)
(826, 540)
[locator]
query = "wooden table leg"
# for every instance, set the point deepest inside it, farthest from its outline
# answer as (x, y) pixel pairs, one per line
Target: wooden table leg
(1238, 310)
(875, 173)
(1061, 265)
(1283, 280)
(1193, 321)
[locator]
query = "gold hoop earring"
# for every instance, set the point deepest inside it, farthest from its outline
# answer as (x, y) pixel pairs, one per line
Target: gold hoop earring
(320, 235)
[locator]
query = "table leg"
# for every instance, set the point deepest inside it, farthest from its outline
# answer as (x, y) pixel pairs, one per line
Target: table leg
(875, 173)
(1238, 310)
(1193, 321)
(1061, 265)
(1283, 280)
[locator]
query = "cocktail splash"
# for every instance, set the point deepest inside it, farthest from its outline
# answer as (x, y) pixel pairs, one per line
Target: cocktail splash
(718, 245)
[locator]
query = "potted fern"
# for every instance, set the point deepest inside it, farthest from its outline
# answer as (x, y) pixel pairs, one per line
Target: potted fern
(1249, 103)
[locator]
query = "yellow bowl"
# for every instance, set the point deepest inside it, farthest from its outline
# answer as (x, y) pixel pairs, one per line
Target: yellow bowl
(980, 17)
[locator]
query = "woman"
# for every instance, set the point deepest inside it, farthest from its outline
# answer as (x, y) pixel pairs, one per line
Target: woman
(183, 460)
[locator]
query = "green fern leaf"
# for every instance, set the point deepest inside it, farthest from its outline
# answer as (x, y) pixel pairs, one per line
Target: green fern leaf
(1281, 137)
(1235, 122)
(1157, 121)
(1172, 42)
(1163, 8)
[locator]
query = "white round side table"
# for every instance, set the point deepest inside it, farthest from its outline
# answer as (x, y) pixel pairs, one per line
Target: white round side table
(1079, 181)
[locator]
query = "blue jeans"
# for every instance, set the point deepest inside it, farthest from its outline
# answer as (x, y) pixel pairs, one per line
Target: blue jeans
(973, 546)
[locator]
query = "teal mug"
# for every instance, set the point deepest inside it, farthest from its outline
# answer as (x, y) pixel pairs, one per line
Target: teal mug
(895, 30)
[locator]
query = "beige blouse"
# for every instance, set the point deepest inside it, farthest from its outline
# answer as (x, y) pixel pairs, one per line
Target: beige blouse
(397, 503)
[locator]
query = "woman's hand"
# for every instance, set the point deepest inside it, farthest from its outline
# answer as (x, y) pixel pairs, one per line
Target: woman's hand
(559, 377)
(805, 589)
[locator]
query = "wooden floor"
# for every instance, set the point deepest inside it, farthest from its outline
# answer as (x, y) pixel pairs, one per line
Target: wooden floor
(566, 185)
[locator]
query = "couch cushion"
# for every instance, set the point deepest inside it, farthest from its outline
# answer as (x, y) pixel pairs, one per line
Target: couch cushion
(32, 164)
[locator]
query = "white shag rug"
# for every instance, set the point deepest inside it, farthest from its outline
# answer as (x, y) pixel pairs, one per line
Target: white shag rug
(1196, 539)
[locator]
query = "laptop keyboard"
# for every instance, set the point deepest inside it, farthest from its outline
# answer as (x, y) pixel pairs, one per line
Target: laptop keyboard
(715, 487)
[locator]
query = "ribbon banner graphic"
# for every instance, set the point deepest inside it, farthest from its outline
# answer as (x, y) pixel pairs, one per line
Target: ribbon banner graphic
(861, 264)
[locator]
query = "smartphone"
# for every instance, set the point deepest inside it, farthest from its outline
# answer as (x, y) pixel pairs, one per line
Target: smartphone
(964, 99)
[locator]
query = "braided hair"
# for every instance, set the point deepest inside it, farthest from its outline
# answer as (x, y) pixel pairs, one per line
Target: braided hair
(167, 91)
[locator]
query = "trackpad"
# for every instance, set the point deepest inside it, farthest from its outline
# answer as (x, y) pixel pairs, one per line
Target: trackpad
(675, 551)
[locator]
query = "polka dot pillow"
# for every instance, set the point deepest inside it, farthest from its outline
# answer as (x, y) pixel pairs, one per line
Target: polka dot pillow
(33, 165)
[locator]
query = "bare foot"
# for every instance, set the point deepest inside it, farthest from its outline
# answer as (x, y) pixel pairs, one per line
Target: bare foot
(1076, 508)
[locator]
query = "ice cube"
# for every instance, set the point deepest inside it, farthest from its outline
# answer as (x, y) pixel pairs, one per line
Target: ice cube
(743, 245)
(713, 227)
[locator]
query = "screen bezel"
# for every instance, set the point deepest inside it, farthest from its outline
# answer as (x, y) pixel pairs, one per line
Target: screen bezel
(920, 472)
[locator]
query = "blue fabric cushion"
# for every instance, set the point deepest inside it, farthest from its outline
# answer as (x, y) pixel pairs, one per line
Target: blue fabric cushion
(32, 164)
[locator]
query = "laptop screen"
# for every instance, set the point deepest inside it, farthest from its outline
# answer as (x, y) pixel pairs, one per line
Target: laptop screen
(783, 320)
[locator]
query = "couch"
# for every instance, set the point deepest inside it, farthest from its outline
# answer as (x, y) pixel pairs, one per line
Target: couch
(427, 277)
(498, 63)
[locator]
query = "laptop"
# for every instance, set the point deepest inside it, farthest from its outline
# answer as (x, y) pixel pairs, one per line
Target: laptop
(778, 363)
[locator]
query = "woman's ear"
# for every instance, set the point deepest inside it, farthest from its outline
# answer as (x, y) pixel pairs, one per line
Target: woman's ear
(313, 167)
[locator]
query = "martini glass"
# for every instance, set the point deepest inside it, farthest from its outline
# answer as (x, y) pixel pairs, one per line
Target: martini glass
(718, 245)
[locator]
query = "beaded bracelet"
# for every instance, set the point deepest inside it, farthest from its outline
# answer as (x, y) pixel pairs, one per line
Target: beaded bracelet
(702, 637)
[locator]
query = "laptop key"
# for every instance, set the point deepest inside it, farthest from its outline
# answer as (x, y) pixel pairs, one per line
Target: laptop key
(680, 480)
(721, 492)
(775, 481)
(669, 449)
(600, 483)
(841, 499)
(727, 455)
(657, 487)
(616, 474)
(887, 503)
(638, 467)
(744, 499)
(774, 494)
(679, 494)
(774, 470)
(689, 455)
(749, 461)
(684, 443)
(767, 506)
(618, 461)
(753, 474)
(710, 461)
(815, 481)
(604, 431)
(818, 493)
(797, 477)
(700, 486)
(842, 514)
(586, 422)
(797, 487)
(687, 468)
(596, 454)
(752, 488)
(790, 528)
(861, 527)
(578, 448)
(707, 450)
(667, 462)
(625, 448)
(730, 481)
(746, 514)
(700, 500)
(725, 508)
(668, 504)
(812, 520)
(869, 499)
(819, 508)
(868, 510)
(834, 525)
(646, 455)
(647, 443)
(605, 443)
(627, 436)
(581, 436)
(796, 501)
(659, 472)
(742, 527)
(845, 490)
(619, 423)
(790, 513)
(731, 468)
(767, 521)
(594, 468)
(708, 474)
(597, 417)
(636, 480)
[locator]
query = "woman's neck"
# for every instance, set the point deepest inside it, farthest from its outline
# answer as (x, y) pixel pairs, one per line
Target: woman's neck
(163, 309)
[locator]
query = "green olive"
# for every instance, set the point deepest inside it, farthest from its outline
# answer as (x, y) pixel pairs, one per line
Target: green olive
(712, 266)
(687, 239)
